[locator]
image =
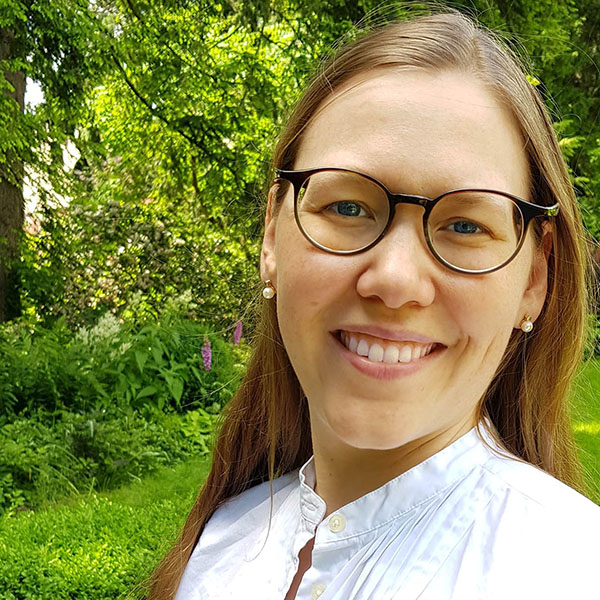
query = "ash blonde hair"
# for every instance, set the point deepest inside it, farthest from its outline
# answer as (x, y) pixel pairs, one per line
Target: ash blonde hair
(266, 428)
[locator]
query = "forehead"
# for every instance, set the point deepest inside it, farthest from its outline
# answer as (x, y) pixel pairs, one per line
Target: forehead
(419, 132)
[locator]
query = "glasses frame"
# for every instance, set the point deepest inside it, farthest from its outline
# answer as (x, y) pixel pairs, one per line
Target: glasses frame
(529, 211)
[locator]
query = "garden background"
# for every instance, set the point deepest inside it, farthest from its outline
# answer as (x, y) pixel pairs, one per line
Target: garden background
(134, 157)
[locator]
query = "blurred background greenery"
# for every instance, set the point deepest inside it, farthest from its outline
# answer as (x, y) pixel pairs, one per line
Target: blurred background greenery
(134, 157)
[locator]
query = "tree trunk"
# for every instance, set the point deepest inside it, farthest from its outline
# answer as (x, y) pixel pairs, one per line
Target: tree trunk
(11, 201)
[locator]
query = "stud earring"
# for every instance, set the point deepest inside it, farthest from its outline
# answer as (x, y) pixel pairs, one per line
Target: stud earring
(526, 324)
(268, 291)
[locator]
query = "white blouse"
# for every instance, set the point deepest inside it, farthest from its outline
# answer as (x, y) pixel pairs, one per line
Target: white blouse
(467, 524)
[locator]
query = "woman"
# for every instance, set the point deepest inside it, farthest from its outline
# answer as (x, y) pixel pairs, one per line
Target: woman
(424, 310)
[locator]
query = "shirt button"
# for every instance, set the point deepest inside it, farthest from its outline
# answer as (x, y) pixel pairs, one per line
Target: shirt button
(317, 590)
(337, 523)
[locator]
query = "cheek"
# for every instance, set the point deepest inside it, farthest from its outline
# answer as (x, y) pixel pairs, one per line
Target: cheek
(307, 278)
(486, 309)
(301, 282)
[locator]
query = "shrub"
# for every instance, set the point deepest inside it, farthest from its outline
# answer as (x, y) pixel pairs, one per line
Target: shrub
(128, 362)
(44, 458)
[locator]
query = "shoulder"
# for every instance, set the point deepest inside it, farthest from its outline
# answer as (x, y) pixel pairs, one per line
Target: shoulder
(530, 535)
(542, 529)
(252, 504)
(536, 490)
(233, 535)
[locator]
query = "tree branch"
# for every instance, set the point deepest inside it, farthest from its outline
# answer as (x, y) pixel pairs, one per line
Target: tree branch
(156, 113)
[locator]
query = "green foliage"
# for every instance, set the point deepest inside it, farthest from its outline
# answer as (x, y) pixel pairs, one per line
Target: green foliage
(99, 546)
(134, 364)
(50, 456)
(96, 407)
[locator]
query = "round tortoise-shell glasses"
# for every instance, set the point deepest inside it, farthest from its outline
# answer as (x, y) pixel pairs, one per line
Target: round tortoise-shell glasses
(471, 231)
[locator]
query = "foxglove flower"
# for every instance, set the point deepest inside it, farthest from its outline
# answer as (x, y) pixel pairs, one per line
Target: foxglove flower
(237, 334)
(206, 354)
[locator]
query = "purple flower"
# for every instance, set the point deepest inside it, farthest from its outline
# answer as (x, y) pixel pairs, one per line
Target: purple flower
(206, 354)
(237, 334)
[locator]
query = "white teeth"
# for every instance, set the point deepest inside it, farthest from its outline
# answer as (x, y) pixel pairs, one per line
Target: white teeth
(376, 353)
(363, 348)
(391, 355)
(405, 354)
(417, 353)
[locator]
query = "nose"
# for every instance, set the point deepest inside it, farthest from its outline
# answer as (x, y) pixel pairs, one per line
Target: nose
(400, 269)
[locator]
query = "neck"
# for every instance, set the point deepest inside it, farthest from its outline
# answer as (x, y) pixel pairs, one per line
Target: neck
(345, 473)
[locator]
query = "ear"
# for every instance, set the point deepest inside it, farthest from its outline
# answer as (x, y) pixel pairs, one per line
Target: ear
(535, 293)
(268, 265)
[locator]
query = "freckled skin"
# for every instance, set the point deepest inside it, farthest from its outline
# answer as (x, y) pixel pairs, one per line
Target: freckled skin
(418, 133)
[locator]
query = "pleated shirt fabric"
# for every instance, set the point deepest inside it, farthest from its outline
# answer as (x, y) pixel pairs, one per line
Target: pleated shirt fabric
(469, 523)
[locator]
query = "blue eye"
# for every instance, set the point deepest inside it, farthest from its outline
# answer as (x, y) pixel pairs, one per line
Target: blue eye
(348, 209)
(465, 227)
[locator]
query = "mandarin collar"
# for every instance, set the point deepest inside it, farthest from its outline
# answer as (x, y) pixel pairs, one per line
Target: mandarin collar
(403, 493)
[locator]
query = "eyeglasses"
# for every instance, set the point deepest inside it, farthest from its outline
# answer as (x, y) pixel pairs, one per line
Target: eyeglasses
(471, 231)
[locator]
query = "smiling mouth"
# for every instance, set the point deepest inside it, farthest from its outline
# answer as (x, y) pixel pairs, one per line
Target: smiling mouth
(384, 351)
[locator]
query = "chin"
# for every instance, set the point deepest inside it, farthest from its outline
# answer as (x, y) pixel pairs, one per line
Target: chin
(375, 434)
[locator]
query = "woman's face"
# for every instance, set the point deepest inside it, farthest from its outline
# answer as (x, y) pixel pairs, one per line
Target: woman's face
(418, 133)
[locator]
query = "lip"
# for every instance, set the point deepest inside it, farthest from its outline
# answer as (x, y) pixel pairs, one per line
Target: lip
(390, 335)
(386, 371)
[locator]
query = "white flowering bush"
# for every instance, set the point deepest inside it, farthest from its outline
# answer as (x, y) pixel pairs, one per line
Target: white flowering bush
(106, 257)
(119, 364)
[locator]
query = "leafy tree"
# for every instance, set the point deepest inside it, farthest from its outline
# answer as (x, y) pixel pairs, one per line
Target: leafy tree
(54, 43)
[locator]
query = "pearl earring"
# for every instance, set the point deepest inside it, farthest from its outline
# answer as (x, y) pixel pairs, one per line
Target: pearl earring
(268, 291)
(526, 324)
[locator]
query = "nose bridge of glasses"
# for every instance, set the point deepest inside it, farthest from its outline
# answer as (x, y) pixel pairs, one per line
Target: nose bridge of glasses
(404, 228)
(396, 199)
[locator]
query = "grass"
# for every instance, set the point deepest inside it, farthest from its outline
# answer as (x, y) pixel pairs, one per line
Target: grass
(100, 546)
(586, 423)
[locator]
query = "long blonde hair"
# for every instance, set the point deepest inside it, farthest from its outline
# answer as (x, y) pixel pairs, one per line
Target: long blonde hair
(266, 428)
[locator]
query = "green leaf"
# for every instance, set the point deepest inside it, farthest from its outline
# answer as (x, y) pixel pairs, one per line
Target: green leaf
(149, 390)
(157, 354)
(140, 359)
(176, 388)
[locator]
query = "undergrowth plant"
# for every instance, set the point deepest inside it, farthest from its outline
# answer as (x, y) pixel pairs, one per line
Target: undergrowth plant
(121, 362)
(97, 407)
(51, 456)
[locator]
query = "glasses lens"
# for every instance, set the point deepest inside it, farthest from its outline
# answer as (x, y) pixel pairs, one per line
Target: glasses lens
(475, 230)
(341, 211)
